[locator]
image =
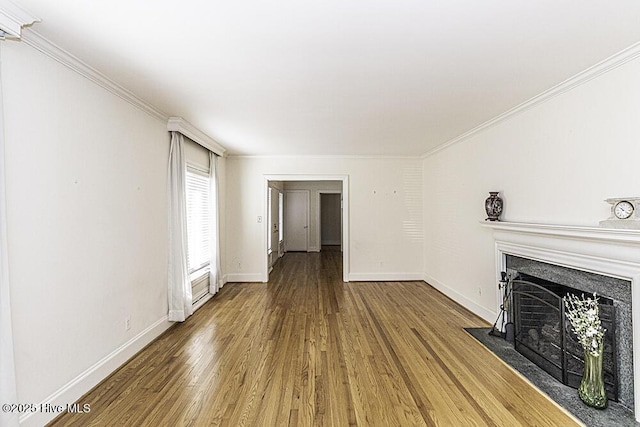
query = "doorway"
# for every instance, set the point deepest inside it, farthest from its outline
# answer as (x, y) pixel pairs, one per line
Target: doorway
(330, 219)
(323, 184)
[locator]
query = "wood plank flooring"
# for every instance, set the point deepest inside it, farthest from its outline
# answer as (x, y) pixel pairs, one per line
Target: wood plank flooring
(307, 349)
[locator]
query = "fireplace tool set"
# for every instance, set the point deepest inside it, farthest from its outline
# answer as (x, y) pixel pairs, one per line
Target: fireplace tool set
(504, 316)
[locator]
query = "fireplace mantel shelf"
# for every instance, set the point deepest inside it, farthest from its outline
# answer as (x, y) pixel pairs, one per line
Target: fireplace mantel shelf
(568, 231)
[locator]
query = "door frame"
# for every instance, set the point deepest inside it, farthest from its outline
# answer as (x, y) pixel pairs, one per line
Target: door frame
(345, 216)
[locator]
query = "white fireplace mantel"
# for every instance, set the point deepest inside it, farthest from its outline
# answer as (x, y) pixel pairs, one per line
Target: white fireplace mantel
(568, 231)
(605, 251)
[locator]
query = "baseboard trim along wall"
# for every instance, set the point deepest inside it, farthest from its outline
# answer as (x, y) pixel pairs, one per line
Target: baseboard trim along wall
(83, 383)
(486, 314)
(244, 277)
(385, 277)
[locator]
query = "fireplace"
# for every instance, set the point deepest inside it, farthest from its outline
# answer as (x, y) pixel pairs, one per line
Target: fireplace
(543, 333)
(610, 256)
(556, 350)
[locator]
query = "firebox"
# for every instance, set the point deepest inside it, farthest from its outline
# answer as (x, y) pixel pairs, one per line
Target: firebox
(544, 335)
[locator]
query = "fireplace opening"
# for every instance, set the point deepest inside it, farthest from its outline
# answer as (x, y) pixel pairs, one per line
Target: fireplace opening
(544, 335)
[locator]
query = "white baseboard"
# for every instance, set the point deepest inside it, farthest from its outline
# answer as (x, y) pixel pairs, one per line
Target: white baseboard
(486, 314)
(313, 249)
(385, 277)
(83, 383)
(244, 277)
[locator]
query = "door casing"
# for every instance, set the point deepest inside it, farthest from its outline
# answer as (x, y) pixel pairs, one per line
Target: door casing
(345, 216)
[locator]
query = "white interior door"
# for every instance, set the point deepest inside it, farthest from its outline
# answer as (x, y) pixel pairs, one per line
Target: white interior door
(296, 220)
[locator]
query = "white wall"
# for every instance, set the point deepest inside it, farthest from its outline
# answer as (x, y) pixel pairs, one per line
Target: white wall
(87, 227)
(385, 207)
(554, 163)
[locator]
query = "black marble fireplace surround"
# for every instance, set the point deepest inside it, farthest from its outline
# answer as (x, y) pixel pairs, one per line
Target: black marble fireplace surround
(618, 290)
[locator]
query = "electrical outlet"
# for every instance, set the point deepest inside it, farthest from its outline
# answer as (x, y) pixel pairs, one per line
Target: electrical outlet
(127, 323)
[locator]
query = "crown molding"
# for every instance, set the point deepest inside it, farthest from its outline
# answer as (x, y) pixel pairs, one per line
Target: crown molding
(324, 156)
(65, 58)
(178, 124)
(13, 18)
(614, 61)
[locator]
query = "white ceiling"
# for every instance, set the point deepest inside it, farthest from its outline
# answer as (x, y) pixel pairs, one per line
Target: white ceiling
(337, 77)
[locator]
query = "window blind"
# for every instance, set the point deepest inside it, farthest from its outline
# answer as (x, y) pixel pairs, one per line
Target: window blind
(198, 251)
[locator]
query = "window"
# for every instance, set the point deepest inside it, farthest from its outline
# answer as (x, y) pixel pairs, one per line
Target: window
(198, 252)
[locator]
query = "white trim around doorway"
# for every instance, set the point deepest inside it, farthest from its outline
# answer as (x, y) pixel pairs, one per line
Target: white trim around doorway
(345, 215)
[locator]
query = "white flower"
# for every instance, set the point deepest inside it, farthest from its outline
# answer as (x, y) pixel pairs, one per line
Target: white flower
(584, 317)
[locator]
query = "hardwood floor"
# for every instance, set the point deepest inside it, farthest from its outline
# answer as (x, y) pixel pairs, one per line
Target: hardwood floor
(307, 349)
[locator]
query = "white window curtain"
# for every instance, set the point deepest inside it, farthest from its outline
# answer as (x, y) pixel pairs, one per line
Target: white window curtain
(8, 393)
(180, 298)
(215, 273)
